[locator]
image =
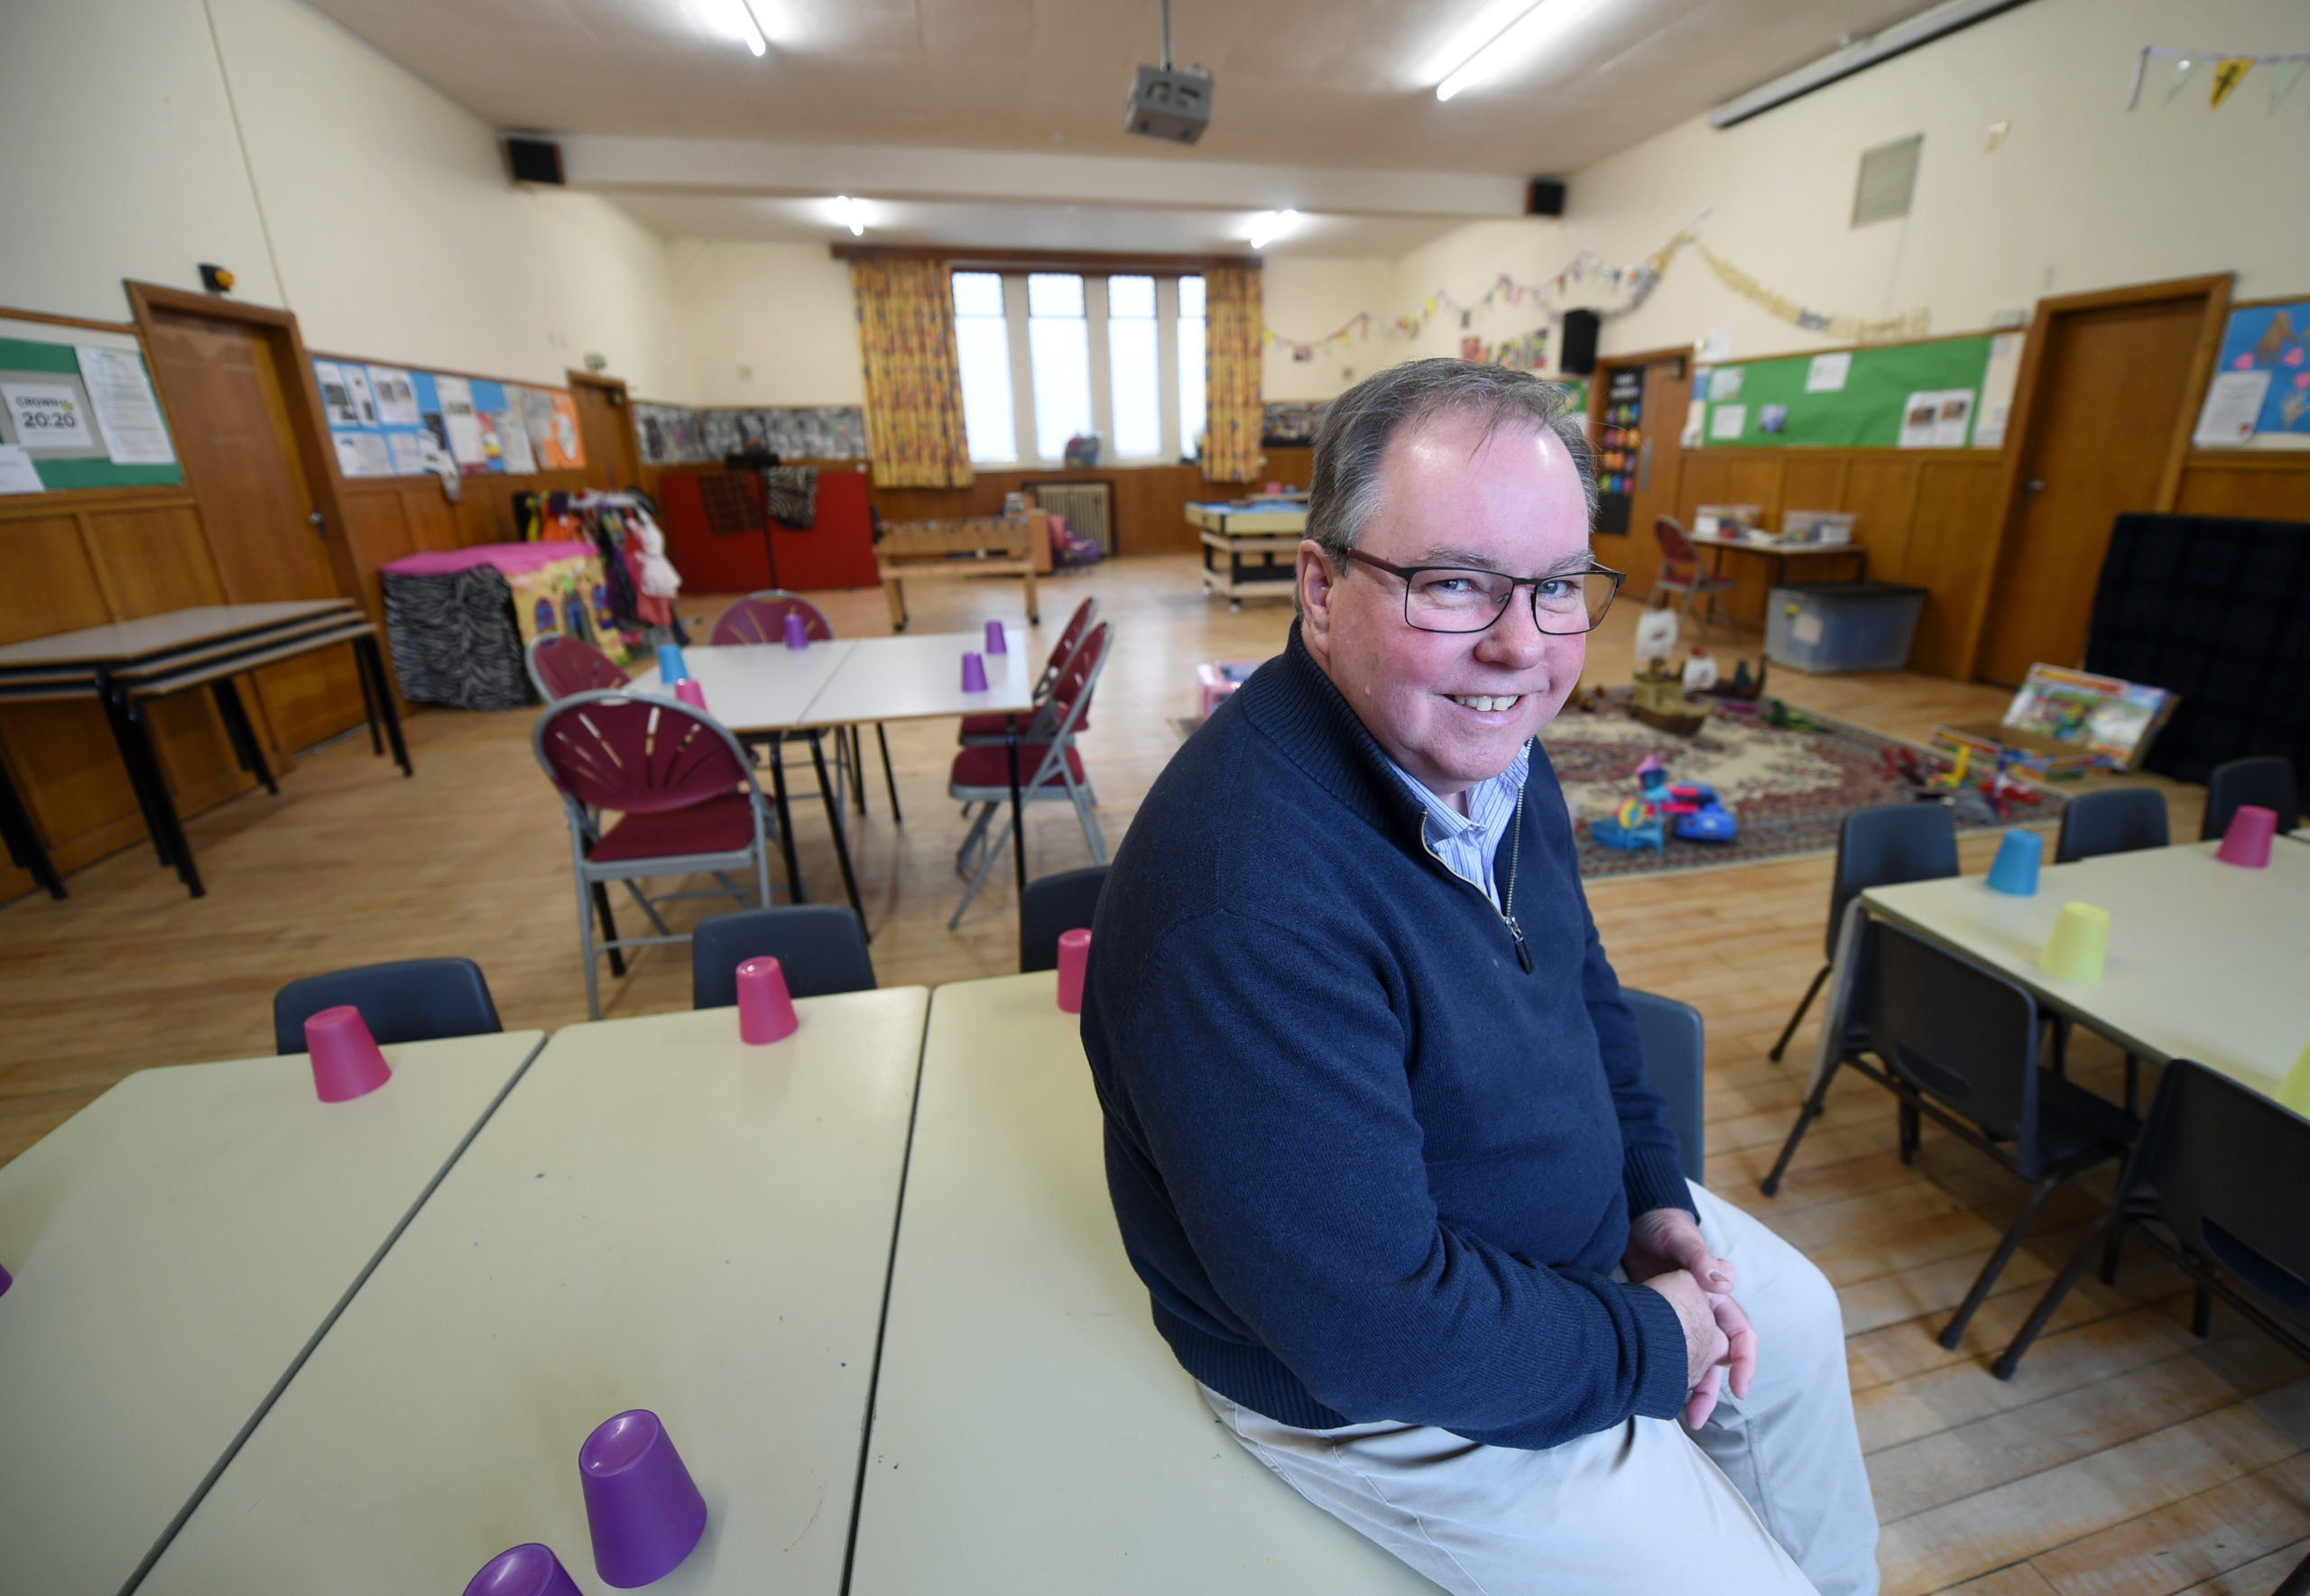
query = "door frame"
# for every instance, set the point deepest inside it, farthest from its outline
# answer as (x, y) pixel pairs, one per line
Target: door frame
(614, 389)
(1600, 379)
(2026, 399)
(309, 431)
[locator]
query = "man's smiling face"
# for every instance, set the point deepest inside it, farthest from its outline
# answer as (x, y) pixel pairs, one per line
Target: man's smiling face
(1453, 708)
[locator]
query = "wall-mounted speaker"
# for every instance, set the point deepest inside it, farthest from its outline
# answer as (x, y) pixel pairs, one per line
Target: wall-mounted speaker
(1544, 198)
(533, 160)
(1579, 357)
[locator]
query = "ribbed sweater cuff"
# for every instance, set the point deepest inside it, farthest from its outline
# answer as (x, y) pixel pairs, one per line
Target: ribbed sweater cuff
(1655, 1178)
(1660, 1389)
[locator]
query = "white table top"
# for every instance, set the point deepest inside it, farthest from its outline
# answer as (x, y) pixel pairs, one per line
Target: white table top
(176, 1244)
(130, 639)
(2205, 959)
(1770, 544)
(1242, 520)
(757, 687)
(658, 1216)
(918, 675)
(1032, 1432)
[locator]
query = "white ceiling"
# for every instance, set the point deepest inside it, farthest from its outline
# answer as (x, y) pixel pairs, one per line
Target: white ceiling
(1300, 83)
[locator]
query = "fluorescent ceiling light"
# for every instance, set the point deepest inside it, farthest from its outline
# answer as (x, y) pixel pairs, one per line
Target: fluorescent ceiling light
(1272, 224)
(732, 19)
(851, 213)
(1531, 28)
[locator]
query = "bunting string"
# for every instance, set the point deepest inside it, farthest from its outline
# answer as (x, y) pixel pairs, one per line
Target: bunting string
(2230, 70)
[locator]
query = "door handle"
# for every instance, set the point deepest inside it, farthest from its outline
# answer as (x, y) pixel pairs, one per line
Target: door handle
(2033, 487)
(319, 522)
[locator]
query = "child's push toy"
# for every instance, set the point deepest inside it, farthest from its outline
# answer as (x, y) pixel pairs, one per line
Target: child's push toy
(1691, 809)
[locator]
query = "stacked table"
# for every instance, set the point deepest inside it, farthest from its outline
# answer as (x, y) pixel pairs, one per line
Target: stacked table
(1241, 543)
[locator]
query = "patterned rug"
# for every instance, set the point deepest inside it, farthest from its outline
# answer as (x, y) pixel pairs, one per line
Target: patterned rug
(1789, 789)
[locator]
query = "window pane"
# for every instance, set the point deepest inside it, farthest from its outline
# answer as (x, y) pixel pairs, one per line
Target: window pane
(1190, 363)
(1130, 296)
(1133, 363)
(1058, 341)
(983, 349)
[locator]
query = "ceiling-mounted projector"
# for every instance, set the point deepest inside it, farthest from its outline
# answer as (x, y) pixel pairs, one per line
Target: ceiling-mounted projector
(1168, 102)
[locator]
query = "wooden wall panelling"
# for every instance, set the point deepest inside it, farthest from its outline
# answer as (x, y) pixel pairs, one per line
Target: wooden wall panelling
(2261, 486)
(151, 559)
(1880, 494)
(47, 584)
(1950, 553)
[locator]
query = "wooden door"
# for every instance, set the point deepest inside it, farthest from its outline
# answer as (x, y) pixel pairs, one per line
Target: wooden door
(605, 424)
(2109, 412)
(1654, 458)
(228, 400)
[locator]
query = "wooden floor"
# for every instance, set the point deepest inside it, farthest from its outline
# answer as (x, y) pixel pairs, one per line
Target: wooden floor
(2126, 1458)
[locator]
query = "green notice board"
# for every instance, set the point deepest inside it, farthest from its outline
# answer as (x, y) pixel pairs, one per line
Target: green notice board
(1789, 402)
(94, 471)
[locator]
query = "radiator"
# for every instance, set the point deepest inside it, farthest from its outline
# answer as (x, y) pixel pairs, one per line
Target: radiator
(1088, 507)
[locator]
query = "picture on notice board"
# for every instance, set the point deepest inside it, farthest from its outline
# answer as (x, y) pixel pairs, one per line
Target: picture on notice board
(514, 435)
(126, 412)
(48, 413)
(462, 425)
(357, 385)
(396, 397)
(336, 394)
(1953, 416)
(1920, 416)
(2259, 397)
(409, 453)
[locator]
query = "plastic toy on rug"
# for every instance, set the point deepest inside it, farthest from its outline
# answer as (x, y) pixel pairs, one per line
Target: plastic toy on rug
(1980, 798)
(1691, 809)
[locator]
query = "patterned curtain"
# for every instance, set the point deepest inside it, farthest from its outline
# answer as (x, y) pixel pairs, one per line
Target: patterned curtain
(1231, 374)
(914, 385)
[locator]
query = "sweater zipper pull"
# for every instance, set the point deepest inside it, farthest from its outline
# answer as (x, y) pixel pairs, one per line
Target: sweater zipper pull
(1523, 952)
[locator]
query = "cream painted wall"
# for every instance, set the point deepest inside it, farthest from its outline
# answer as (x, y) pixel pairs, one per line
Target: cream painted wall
(766, 324)
(395, 231)
(1308, 298)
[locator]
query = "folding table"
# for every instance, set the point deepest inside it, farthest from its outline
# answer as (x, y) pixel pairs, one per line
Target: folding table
(1032, 1432)
(177, 1247)
(1779, 553)
(657, 1216)
(127, 663)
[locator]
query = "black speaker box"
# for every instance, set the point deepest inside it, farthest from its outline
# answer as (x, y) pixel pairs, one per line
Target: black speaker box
(1579, 357)
(534, 160)
(1545, 198)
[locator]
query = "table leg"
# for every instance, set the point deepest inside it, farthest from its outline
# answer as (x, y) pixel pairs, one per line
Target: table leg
(841, 842)
(895, 594)
(23, 838)
(890, 776)
(366, 652)
(785, 822)
(857, 759)
(134, 732)
(369, 710)
(139, 780)
(1018, 822)
(609, 927)
(244, 736)
(1034, 615)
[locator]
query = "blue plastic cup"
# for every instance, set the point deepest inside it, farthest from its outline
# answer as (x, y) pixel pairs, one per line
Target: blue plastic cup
(2014, 872)
(671, 668)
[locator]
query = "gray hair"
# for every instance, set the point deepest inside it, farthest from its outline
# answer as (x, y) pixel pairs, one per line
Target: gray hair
(1357, 428)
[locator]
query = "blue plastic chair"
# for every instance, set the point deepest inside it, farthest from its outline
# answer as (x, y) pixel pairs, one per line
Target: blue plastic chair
(820, 947)
(409, 1000)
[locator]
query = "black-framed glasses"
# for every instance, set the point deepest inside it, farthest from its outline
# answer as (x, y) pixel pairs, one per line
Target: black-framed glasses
(1456, 598)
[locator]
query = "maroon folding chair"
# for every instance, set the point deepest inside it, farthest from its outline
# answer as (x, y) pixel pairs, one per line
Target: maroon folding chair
(760, 618)
(1680, 568)
(1048, 770)
(685, 798)
(980, 730)
(561, 666)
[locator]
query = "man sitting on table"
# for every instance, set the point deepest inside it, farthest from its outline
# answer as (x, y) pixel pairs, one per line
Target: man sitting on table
(1378, 1135)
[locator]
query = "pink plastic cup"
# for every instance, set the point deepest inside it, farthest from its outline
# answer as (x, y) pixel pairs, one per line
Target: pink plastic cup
(996, 641)
(531, 1570)
(765, 1010)
(643, 1508)
(692, 692)
(974, 673)
(1074, 954)
(347, 1061)
(2247, 842)
(797, 631)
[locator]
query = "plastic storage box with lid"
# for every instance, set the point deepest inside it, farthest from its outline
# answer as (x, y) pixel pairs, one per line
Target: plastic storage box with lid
(1831, 626)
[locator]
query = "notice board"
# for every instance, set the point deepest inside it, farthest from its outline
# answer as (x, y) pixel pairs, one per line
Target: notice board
(83, 414)
(1865, 398)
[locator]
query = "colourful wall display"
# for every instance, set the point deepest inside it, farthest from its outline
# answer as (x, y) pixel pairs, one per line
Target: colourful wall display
(1922, 395)
(385, 421)
(677, 434)
(2259, 397)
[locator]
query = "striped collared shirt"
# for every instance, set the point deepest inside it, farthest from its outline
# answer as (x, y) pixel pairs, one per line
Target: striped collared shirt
(1466, 843)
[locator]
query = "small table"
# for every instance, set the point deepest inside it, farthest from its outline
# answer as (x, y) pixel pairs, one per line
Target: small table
(657, 1216)
(1235, 532)
(2204, 960)
(1779, 553)
(951, 551)
(178, 1245)
(1032, 1432)
(127, 663)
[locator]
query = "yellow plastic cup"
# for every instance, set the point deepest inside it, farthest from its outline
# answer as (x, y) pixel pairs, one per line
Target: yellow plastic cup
(2294, 1092)
(2079, 939)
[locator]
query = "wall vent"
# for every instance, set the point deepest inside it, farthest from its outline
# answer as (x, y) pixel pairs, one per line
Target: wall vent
(1887, 180)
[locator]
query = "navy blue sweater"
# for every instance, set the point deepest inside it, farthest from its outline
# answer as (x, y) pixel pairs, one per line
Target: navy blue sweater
(1369, 1165)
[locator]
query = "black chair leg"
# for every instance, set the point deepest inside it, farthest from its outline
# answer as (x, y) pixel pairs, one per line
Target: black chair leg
(1798, 1019)
(1912, 1126)
(2103, 1236)
(841, 842)
(2058, 1053)
(2202, 1310)
(890, 776)
(1806, 1115)
(2297, 1583)
(609, 929)
(2110, 1255)
(1997, 1259)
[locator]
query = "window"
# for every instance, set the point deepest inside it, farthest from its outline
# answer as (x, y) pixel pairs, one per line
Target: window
(983, 349)
(1047, 355)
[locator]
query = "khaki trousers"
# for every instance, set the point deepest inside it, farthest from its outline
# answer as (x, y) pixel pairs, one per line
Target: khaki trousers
(1769, 1499)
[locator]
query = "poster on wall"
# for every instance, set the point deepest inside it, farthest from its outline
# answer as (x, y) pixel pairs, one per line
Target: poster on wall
(47, 414)
(337, 397)
(513, 437)
(362, 453)
(396, 397)
(2259, 397)
(461, 425)
(127, 414)
(365, 401)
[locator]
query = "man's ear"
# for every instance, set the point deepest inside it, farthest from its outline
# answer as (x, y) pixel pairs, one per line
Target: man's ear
(1312, 586)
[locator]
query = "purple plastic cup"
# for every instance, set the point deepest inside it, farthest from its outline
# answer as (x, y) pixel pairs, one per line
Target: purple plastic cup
(797, 631)
(2246, 842)
(691, 691)
(765, 1009)
(996, 641)
(643, 1508)
(974, 673)
(347, 1061)
(531, 1570)
(7, 1281)
(1074, 954)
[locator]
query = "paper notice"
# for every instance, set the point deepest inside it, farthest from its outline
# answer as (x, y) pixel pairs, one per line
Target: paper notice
(464, 427)
(1920, 415)
(1725, 383)
(408, 453)
(365, 402)
(122, 396)
(1696, 418)
(51, 417)
(1953, 417)
(362, 453)
(514, 438)
(2233, 404)
(396, 396)
(336, 398)
(1827, 373)
(17, 472)
(1726, 420)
